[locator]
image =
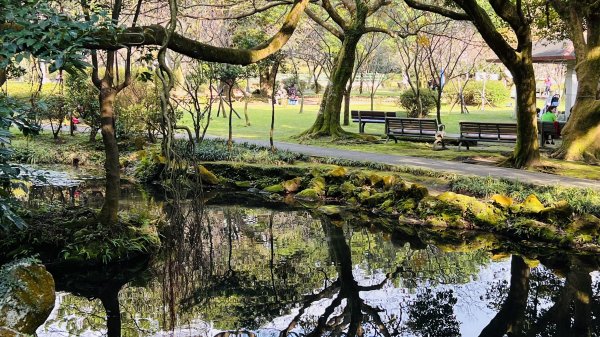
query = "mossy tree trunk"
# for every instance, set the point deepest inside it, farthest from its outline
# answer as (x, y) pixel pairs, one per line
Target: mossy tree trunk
(516, 57)
(328, 118)
(581, 135)
(110, 207)
(526, 152)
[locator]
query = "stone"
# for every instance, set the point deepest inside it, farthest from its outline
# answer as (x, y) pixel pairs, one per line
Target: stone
(375, 179)
(318, 184)
(457, 210)
(292, 185)
(376, 199)
(338, 172)
(274, 188)
(389, 181)
(207, 176)
(243, 184)
(330, 210)
(502, 201)
(308, 194)
(27, 296)
(531, 205)
(347, 189)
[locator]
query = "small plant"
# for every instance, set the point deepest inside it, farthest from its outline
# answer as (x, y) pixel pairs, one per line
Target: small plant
(417, 106)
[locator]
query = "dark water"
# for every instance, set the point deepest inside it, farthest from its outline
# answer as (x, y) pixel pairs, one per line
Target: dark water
(228, 265)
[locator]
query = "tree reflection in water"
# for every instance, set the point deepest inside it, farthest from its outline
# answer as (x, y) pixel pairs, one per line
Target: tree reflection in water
(251, 270)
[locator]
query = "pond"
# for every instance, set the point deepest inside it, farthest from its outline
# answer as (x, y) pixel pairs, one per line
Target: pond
(234, 264)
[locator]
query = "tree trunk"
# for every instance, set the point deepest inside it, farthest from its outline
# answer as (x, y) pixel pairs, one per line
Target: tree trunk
(527, 149)
(581, 135)
(110, 208)
(347, 94)
(93, 133)
(511, 315)
(266, 81)
(328, 118)
(2, 75)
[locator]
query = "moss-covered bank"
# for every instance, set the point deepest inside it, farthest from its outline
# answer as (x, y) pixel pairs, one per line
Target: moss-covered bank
(333, 190)
(74, 236)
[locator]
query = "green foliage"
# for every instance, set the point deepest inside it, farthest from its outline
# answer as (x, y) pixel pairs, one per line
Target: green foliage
(496, 92)
(138, 110)
(410, 101)
(432, 315)
(35, 28)
(217, 150)
(81, 98)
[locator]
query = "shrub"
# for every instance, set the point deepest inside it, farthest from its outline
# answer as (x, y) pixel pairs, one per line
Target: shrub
(495, 92)
(409, 101)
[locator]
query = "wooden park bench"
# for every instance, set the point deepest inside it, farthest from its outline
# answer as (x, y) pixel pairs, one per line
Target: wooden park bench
(471, 132)
(363, 117)
(415, 129)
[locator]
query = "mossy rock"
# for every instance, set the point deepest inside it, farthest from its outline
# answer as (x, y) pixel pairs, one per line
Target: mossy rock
(337, 172)
(375, 180)
(359, 179)
(278, 188)
(559, 213)
(407, 206)
(347, 189)
(531, 205)
(534, 229)
(318, 184)
(309, 194)
(502, 201)
(363, 195)
(27, 296)
(330, 210)
(292, 185)
(585, 224)
(334, 191)
(418, 192)
(243, 184)
(389, 181)
(376, 199)
(207, 176)
(459, 211)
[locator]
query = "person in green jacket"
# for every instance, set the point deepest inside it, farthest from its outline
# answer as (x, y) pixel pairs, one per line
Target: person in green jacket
(549, 116)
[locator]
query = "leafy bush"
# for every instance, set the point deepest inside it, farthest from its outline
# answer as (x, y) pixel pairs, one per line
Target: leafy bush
(409, 101)
(138, 110)
(82, 99)
(495, 92)
(216, 150)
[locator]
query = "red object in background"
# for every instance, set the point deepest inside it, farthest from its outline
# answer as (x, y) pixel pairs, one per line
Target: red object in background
(75, 120)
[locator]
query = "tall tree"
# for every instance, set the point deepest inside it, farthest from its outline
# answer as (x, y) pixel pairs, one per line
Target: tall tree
(489, 17)
(349, 26)
(581, 135)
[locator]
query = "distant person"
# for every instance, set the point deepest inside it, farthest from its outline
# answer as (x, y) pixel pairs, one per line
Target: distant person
(555, 100)
(547, 85)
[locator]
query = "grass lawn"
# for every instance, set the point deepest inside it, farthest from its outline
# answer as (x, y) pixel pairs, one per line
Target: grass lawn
(289, 123)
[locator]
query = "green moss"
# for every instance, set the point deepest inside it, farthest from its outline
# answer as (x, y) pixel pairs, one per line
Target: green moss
(461, 211)
(207, 176)
(308, 194)
(292, 185)
(347, 189)
(376, 199)
(337, 172)
(274, 188)
(243, 184)
(330, 210)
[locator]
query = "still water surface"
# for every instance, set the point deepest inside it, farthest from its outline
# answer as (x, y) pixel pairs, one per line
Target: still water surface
(234, 264)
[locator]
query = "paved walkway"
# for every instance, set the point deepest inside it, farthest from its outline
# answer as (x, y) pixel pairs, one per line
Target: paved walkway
(536, 178)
